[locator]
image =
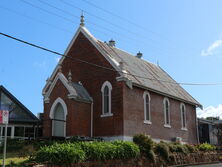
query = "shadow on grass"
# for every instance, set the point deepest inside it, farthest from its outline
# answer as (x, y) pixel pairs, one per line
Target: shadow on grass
(13, 159)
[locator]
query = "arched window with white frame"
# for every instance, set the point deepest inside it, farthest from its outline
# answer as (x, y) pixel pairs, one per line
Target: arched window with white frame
(183, 116)
(166, 108)
(58, 113)
(106, 90)
(146, 102)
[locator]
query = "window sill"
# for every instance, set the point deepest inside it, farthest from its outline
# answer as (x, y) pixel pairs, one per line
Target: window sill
(185, 129)
(107, 115)
(167, 126)
(147, 122)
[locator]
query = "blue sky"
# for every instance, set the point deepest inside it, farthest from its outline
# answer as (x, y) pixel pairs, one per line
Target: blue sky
(184, 36)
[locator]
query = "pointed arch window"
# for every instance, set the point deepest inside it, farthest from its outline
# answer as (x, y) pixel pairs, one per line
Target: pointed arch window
(147, 113)
(183, 116)
(166, 107)
(106, 99)
(58, 113)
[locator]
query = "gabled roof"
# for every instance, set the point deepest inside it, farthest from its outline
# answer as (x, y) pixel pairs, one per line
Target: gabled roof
(76, 90)
(159, 81)
(92, 39)
(28, 115)
(81, 92)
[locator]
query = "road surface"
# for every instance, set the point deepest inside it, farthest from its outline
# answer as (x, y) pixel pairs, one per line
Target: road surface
(210, 165)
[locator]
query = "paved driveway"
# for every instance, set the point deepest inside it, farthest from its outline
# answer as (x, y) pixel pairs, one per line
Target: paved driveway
(210, 165)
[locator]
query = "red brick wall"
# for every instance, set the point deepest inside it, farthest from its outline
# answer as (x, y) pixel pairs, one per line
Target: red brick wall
(78, 117)
(134, 117)
(92, 79)
(78, 120)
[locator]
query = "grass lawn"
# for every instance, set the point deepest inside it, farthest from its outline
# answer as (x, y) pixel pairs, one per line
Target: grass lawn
(12, 156)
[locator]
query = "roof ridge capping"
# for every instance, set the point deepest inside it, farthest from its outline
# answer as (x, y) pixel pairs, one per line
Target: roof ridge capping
(130, 54)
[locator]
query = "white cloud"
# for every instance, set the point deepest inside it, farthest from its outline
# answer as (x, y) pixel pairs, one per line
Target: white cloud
(40, 64)
(57, 59)
(214, 49)
(210, 112)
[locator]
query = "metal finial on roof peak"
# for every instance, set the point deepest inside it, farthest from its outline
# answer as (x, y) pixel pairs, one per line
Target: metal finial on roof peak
(82, 20)
(70, 76)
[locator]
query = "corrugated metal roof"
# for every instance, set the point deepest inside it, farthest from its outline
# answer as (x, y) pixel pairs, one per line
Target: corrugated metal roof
(158, 80)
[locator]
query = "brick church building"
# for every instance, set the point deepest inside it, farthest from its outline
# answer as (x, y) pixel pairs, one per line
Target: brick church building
(98, 90)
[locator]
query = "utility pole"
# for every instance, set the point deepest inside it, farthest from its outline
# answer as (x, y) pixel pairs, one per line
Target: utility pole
(4, 114)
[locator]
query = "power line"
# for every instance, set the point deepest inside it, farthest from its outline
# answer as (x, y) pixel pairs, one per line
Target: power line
(35, 20)
(71, 14)
(99, 66)
(107, 29)
(65, 18)
(145, 29)
(43, 22)
(104, 20)
(44, 10)
(48, 24)
(120, 17)
(142, 36)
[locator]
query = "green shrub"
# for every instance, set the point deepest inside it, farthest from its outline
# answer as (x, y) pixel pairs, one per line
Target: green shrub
(191, 148)
(60, 154)
(69, 153)
(151, 156)
(98, 150)
(144, 142)
(177, 147)
(126, 150)
(162, 150)
(206, 147)
(110, 150)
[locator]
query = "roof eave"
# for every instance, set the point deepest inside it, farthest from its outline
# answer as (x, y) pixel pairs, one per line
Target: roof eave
(168, 95)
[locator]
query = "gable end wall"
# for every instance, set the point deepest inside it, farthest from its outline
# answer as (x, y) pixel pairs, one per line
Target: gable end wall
(92, 79)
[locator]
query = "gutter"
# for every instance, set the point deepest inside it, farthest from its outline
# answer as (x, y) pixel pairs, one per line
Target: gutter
(91, 121)
(165, 94)
(197, 129)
